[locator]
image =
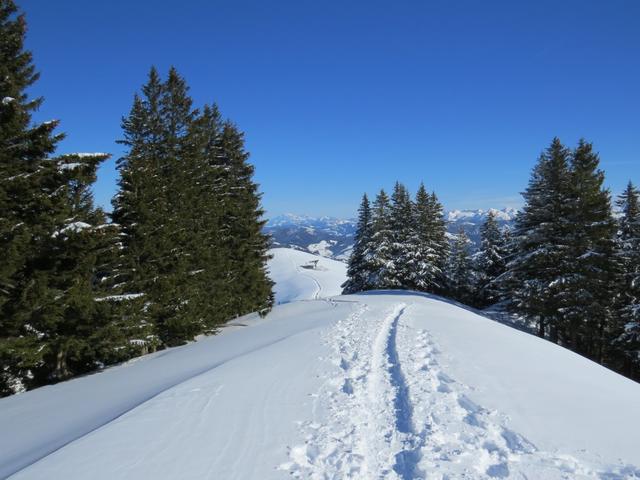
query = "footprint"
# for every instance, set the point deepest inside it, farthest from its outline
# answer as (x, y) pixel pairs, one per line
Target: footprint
(347, 386)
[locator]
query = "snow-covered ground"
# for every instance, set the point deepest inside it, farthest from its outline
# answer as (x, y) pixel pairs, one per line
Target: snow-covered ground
(387, 385)
(295, 282)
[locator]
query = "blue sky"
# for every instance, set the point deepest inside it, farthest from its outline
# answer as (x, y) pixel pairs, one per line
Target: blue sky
(337, 97)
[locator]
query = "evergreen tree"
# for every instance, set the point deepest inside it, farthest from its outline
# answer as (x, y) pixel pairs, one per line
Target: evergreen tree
(490, 261)
(541, 234)
(430, 242)
(194, 252)
(585, 291)
(440, 242)
(47, 232)
(381, 250)
(360, 270)
(243, 224)
(460, 269)
(627, 329)
(402, 269)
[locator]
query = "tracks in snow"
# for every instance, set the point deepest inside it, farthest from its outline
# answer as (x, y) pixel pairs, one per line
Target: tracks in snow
(387, 410)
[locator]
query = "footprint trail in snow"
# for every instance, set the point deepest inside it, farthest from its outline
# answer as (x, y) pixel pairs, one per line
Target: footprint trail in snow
(389, 411)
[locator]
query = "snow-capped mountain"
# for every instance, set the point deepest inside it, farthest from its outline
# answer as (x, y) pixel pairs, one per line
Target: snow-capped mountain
(333, 237)
(325, 236)
(472, 220)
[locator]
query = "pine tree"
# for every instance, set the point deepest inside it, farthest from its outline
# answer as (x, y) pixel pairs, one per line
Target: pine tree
(359, 270)
(194, 251)
(380, 252)
(404, 253)
(585, 291)
(541, 233)
(490, 261)
(47, 233)
(242, 224)
(626, 332)
(440, 242)
(430, 242)
(460, 269)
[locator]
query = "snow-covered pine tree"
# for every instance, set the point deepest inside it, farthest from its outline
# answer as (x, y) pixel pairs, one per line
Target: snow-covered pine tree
(439, 241)
(428, 269)
(490, 261)
(380, 251)
(459, 271)
(586, 288)
(359, 270)
(541, 237)
(626, 341)
(402, 271)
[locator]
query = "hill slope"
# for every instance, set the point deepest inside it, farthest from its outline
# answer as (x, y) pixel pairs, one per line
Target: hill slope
(384, 385)
(295, 281)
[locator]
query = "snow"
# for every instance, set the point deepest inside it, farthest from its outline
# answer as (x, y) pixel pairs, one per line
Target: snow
(120, 298)
(506, 214)
(322, 248)
(70, 166)
(388, 385)
(7, 100)
(72, 227)
(294, 282)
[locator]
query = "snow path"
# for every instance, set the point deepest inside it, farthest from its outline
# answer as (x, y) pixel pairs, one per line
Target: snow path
(293, 283)
(391, 412)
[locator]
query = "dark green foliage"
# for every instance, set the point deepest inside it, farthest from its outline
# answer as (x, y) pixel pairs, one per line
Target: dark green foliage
(185, 253)
(48, 233)
(626, 330)
(564, 267)
(399, 244)
(360, 268)
(432, 246)
(190, 215)
(541, 235)
(459, 271)
(490, 262)
(587, 286)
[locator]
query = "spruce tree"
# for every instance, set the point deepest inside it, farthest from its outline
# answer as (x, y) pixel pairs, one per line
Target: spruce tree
(541, 233)
(460, 269)
(404, 253)
(47, 232)
(194, 251)
(430, 242)
(490, 261)
(242, 224)
(626, 333)
(586, 287)
(359, 270)
(381, 249)
(440, 242)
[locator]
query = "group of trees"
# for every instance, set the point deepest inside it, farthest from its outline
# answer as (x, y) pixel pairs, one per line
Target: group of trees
(574, 268)
(569, 264)
(184, 252)
(399, 243)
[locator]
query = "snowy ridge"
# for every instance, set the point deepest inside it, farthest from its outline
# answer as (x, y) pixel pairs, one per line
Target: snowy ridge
(395, 414)
(384, 385)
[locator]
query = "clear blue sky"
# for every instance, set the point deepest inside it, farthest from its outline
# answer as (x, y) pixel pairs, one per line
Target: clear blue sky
(341, 97)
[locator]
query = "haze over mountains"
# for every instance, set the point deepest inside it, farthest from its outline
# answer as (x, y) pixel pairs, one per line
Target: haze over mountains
(333, 237)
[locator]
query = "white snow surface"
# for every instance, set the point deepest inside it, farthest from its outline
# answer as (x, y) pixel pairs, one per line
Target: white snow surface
(294, 282)
(385, 385)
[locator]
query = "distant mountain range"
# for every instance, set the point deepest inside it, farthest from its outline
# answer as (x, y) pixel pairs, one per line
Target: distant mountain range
(333, 237)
